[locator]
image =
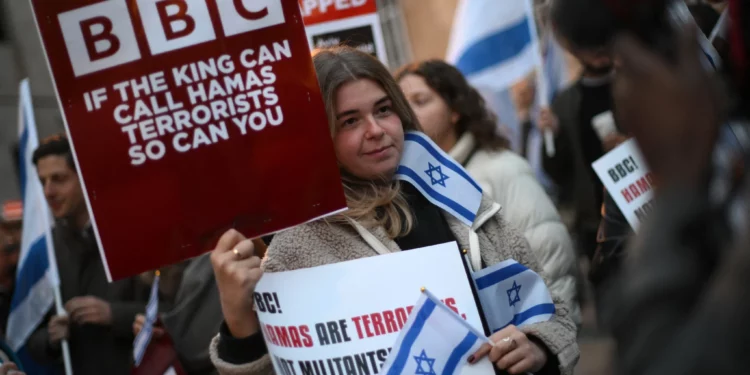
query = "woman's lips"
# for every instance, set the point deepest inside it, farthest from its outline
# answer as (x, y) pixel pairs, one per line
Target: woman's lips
(379, 151)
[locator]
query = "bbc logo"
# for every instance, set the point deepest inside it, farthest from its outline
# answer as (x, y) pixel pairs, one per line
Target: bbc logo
(102, 35)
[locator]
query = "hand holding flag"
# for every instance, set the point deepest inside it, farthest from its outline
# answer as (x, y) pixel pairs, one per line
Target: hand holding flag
(512, 351)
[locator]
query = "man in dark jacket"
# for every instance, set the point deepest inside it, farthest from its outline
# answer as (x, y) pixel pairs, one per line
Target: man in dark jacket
(577, 144)
(99, 315)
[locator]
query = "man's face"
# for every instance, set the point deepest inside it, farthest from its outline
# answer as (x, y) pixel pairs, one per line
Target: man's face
(61, 186)
(10, 246)
(596, 62)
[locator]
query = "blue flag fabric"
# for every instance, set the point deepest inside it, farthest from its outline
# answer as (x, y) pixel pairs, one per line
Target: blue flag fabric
(36, 277)
(442, 180)
(435, 340)
(144, 336)
(510, 293)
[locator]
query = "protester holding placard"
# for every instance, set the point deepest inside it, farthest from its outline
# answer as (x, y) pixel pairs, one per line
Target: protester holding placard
(454, 115)
(368, 116)
(98, 323)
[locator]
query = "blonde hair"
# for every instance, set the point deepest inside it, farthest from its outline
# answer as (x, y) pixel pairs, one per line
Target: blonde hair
(371, 203)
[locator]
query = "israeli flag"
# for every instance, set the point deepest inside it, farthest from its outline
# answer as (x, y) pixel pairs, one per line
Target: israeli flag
(681, 16)
(144, 336)
(36, 278)
(510, 293)
(442, 180)
(491, 42)
(435, 340)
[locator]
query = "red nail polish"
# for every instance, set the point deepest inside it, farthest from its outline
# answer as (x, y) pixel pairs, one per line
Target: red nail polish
(471, 359)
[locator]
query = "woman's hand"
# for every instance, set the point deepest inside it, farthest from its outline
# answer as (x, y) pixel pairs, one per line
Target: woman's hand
(237, 271)
(10, 368)
(512, 352)
(140, 321)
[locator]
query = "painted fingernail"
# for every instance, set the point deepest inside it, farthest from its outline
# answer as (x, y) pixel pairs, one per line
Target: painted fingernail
(471, 359)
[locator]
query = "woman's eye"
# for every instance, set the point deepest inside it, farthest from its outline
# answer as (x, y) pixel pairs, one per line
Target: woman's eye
(349, 122)
(385, 110)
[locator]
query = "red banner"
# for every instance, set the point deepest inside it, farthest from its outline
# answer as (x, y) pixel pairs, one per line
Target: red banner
(189, 117)
(319, 11)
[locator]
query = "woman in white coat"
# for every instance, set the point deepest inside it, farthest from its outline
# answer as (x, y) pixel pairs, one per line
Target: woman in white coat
(455, 116)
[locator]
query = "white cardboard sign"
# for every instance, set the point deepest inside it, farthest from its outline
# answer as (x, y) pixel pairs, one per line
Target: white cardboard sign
(628, 179)
(343, 318)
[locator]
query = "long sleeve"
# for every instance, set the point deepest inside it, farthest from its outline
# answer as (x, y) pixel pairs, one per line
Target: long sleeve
(668, 266)
(38, 344)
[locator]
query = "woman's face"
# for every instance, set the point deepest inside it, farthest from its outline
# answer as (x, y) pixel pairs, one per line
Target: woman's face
(436, 118)
(369, 136)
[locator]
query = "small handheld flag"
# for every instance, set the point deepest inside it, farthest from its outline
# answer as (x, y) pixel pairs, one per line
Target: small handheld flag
(510, 293)
(435, 340)
(144, 336)
(442, 180)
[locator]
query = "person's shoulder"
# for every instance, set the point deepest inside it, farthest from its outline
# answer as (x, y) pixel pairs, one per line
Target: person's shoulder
(308, 245)
(499, 164)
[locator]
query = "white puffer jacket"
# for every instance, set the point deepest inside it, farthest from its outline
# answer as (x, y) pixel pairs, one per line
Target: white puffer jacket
(510, 181)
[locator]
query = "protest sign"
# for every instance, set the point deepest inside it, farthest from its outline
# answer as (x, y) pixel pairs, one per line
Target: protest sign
(343, 318)
(627, 178)
(351, 22)
(187, 118)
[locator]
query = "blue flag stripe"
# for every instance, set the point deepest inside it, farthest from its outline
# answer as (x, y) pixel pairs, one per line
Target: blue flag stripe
(459, 352)
(518, 319)
(450, 164)
(495, 277)
(466, 214)
(405, 350)
(495, 48)
(32, 270)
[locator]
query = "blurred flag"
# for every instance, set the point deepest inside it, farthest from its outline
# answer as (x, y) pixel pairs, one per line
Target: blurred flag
(435, 340)
(36, 278)
(510, 293)
(441, 180)
(144, 336)
(491, 42)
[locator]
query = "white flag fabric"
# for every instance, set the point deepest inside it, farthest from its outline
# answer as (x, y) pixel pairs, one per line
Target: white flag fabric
(434, 340)
(144, 336)
(491, 42)
(37, 275)
(510, 293)
(442, 180)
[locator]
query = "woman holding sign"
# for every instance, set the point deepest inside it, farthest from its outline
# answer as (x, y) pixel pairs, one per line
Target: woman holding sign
(369, 118)
(454, 115)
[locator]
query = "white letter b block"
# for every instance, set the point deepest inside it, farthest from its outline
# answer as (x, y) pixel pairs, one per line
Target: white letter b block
(99, 36)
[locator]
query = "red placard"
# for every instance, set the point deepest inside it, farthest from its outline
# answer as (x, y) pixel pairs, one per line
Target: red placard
(189, 117)
(319, 11)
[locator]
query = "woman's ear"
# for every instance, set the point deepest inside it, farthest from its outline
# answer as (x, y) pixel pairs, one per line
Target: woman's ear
(455, 116)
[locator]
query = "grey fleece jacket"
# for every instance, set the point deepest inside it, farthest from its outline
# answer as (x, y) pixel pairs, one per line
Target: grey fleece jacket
(320, 242)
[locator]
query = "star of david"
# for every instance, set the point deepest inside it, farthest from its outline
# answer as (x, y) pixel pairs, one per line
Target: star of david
(440, 180)
(421, 359)
(515, 289)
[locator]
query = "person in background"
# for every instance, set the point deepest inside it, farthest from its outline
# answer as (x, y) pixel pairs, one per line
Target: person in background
(194, 316)
(11, 222)
(577, 144)
(98, 323)
(454, 115)
(368, 116)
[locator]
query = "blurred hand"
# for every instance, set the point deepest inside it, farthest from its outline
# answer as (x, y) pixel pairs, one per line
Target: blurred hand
(547, 121)
(512, 352)
(10, 368)
(140, 321)
(613, 140)
(58, 329)
(89, 310)
(523, 94)
(672, 110)
(237, 271)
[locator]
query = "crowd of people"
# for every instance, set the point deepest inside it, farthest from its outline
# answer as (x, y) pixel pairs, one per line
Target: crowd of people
(673, 296)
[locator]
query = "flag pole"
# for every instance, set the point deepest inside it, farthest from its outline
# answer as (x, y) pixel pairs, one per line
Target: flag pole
(541, 80)
(27, 109)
